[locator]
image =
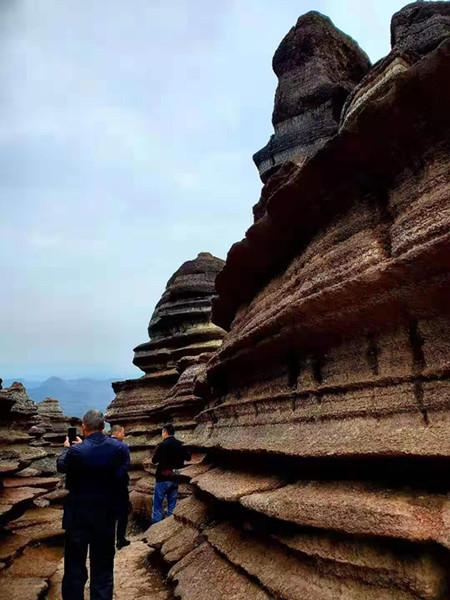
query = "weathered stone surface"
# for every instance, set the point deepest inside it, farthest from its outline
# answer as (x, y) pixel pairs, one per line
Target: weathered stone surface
(23, 589)
(359, 509)
(290, 576)
(192, 511)
(23, 405)
(11, 545)
(141, 505)
(56, 496)
(375, 563)
(36, 562)
(421, 26)
(13, 497)
(230, 486)
(28, 472)
(198, 575)
(48, 483)
(135, 577)
(38, 524)
(317, 66)
(376, 83)
(6, 403)
(161, 532)
(194, 471)
(177, 546)
(9, 466)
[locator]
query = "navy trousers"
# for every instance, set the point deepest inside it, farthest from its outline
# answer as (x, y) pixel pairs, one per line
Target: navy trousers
(122, 518)
(99, 538)
(162, 489)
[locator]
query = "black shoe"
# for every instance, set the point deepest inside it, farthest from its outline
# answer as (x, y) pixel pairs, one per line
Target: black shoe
(123, 543)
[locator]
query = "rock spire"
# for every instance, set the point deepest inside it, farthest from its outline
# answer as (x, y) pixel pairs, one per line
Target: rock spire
(317, 66)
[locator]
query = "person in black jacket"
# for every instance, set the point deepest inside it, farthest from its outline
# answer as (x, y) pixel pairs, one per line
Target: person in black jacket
(94, 468)
(169, 456)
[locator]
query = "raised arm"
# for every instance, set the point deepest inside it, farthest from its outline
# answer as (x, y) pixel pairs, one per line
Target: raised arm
(68, 456)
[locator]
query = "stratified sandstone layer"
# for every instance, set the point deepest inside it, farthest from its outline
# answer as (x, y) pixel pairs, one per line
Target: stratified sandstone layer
(327, 407)
(317, 66)
(420, 27)
(182, 339)
(31, 492)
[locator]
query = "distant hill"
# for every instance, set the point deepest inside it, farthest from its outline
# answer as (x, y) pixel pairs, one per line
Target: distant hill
(76, 396)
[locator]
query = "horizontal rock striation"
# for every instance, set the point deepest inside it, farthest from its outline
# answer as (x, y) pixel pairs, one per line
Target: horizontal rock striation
(420, 27)
(182, 339)
(416, 30)
(326, 424)
(317, 66)
(31, 492)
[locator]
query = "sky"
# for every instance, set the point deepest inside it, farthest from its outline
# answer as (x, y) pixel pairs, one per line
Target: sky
(126, 135)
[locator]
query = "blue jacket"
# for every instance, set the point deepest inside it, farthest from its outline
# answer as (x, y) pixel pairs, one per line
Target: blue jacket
(95, 469)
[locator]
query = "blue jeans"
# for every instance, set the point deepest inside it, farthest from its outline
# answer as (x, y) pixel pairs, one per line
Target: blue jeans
(162, 489)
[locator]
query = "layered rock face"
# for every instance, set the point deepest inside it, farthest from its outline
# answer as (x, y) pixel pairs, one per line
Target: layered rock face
(420, 27)
(317, 66)
(31, 492)
(416, 30)
(327, 425)
(182, 338)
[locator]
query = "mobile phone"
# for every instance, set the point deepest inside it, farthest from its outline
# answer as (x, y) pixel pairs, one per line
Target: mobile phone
(72, 433)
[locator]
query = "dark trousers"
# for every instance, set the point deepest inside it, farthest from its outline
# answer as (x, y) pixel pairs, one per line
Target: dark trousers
(100, 540)
(122, 517)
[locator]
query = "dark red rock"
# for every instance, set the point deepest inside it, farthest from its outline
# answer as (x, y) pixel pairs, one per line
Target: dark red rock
(317, 66)
(420, 27)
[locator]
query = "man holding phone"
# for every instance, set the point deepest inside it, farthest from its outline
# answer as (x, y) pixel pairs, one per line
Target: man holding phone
(93, 466)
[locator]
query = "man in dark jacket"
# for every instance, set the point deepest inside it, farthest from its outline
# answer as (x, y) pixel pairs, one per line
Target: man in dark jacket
(169, 456)
(118, 434)
(94, 468)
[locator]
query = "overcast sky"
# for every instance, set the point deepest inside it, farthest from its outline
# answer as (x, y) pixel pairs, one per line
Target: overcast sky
(126, 134)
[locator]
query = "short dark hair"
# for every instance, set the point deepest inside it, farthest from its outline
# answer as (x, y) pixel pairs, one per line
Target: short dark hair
(169, 428)
(94, 420)
(116, 428)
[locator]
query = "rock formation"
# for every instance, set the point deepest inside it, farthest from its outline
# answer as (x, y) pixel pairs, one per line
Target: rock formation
(420, 27)
(326, 419)
(317, 66)
(31, 493)
(416, 30)
(56, 422)
(182, 338)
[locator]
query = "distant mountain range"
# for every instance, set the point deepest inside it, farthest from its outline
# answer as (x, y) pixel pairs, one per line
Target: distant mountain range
(76, 396)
